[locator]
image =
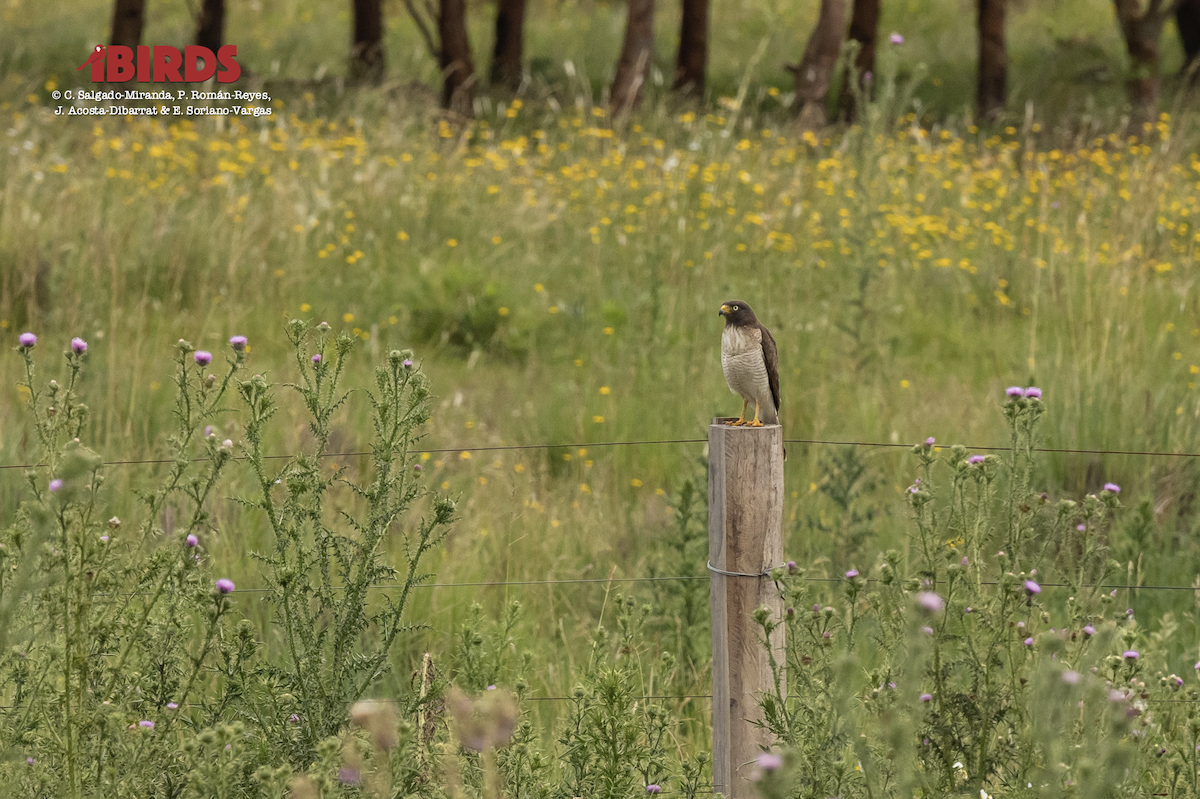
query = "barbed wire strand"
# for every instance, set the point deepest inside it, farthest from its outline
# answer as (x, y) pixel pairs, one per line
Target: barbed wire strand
(648, 442)
(667, 578)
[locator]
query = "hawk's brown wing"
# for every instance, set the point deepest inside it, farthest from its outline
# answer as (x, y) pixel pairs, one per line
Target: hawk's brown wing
(771, 358)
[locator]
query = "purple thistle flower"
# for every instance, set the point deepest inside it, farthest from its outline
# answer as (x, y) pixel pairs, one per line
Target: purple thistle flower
(172, 705)
(1029, 641)
(238, 343)
(850, 575)
(653, 789)
(791, 566)
(927, 630)
(225, 585)
(867, 76)
(965, 562)
(27, 340)
(1014, 391)
(1071, 677)
(78, 346)
(1089, 630)
(316, 359)
(349, 776)
(1033, 392)
(29, 761)
(407, 363)
(769, 761)
(927, 600)
(103, 539)
(294, 719)
(1131, 654)
(146, 723)
(896, 39)
(203, 357)
(976, 459)
(1081, 527)
(55, 484)
(208, 430)
(926, 697)
(1116, 696)
(418, 467)
(192, 541)
(1112, 487)
(929, 441)
(1032, 588)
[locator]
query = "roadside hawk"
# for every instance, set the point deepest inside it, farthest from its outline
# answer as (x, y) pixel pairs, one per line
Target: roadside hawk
(750, 363)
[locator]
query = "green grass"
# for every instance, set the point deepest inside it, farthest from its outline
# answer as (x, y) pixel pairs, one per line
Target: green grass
(135, 248)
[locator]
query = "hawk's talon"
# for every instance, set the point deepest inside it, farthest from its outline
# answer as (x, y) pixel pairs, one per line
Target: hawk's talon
(755, 422)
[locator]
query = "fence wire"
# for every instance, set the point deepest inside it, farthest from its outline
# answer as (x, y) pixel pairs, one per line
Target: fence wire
(644, 443)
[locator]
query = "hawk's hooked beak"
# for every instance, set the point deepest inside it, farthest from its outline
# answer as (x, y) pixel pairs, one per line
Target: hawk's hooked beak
(724, 310)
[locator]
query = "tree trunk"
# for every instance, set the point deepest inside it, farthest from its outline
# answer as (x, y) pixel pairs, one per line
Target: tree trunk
(210, 27)
(1187, 20)
(128, 20)
(814, 73)
(692, 61)
(991, 91)
(864, 29)
(458, 67)
(1142, 31)
(510, 44)
(366, 51)
(637, 52)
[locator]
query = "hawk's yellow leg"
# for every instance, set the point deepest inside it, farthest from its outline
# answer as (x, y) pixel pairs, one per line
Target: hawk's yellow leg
(755, 422)
(742, 419)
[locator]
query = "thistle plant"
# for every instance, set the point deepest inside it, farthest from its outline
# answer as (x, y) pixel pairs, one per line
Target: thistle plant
(613, 744)
(123, 673)
(950, 667)
(100, 621)
(319, 573)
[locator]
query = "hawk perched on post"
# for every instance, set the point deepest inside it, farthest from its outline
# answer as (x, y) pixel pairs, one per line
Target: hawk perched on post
(750, 363)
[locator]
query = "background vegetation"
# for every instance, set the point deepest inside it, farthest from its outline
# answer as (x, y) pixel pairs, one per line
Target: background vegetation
(557, 279)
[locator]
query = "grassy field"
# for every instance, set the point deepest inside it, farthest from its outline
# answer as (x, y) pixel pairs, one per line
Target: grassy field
(559, 279)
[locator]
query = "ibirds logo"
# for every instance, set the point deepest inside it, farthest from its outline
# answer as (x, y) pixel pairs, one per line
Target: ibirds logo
(117, 63)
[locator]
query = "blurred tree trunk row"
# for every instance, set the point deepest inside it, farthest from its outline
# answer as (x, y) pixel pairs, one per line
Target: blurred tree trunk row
(444, 30)
(637, 53)
(864, 30)
(1187, 20)
(210, 27)
(128, 20)
(991, 89)
(366, 49)
(510, 44)
(1141, 30)
(814, 73)
(691, 63)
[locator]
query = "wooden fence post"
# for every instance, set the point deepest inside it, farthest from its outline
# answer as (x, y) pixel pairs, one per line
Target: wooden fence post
(745, 535)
